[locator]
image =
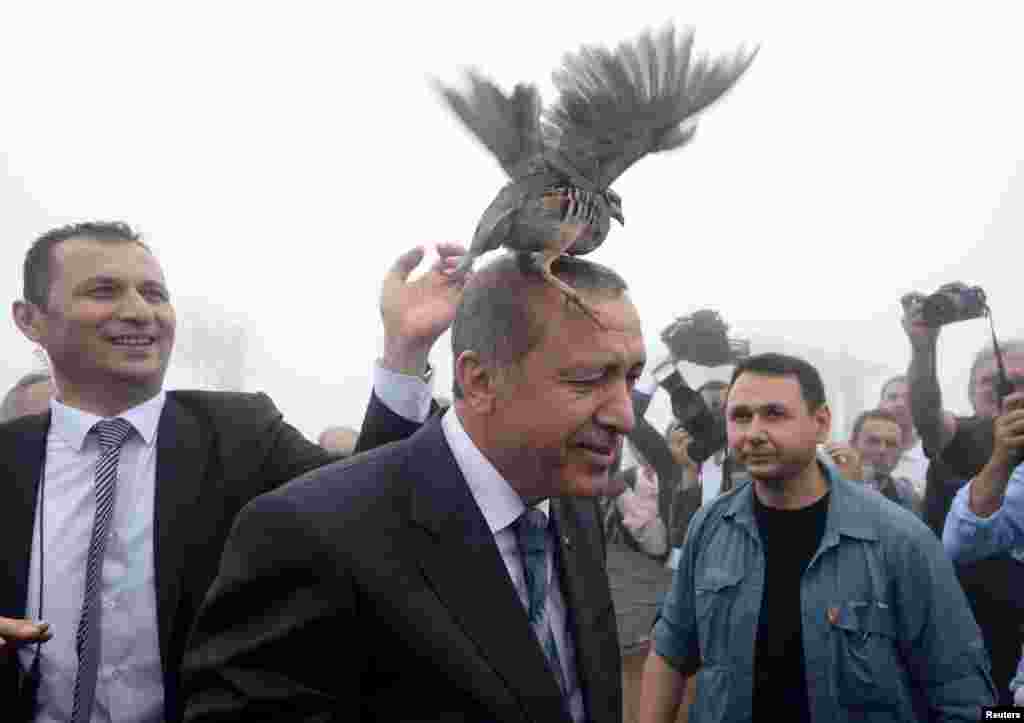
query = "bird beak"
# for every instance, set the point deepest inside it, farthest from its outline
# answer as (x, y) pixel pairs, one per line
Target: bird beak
(617, 215)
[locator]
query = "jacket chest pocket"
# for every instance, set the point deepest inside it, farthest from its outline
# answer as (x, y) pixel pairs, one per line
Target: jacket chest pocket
(866, 655)
(717, 596)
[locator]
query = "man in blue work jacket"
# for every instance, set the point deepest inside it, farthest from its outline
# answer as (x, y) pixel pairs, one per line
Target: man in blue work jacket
(806, 596)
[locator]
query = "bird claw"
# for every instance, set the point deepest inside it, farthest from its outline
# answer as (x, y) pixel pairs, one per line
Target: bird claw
(572, 297)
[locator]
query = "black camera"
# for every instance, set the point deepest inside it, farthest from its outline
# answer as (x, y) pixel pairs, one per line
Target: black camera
(705, 427)
(950, 303)
(703, 339)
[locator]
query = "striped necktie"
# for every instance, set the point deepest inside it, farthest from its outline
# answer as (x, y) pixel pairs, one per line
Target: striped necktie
(532, 534)
(112, 434)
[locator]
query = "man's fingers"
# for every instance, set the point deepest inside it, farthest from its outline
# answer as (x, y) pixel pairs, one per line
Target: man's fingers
(1012, 425)
(1014, 403)
(405, 264)
(16, 630)
(447, 249)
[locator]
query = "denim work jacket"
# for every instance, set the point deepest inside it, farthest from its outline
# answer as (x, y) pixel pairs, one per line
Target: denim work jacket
(887, 631)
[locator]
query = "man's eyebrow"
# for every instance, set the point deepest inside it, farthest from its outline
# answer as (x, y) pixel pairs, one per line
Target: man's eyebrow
(767, 406)
(600, 365)
(94, 280)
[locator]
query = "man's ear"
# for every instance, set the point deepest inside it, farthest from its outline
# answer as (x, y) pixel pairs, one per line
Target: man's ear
(478, 382)
(29, 319)
(823, 420)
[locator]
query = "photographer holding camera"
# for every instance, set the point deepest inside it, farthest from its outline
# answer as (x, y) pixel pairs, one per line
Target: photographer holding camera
(709, 475)
(697, 437)
(987, 517)
(959, 448)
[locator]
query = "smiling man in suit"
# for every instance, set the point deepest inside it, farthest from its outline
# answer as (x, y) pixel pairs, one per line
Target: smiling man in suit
(456, 575)
(117, 500)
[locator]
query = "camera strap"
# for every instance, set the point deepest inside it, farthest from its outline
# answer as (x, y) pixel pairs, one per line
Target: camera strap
(1003, 387)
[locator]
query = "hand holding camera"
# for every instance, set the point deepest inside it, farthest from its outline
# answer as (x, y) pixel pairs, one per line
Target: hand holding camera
(924, 315)
(701, 338)
(949, 304)
(921, 335)
(679, 443)
(1009, 431)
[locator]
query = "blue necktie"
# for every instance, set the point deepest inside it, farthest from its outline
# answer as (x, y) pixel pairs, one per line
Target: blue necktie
(532, 534)
(112, 434)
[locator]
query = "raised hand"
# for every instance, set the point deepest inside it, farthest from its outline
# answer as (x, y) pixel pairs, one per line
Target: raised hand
(416, 313)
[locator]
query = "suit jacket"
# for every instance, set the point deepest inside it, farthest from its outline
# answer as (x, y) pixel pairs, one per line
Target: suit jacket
(372, 589)
(215, 452)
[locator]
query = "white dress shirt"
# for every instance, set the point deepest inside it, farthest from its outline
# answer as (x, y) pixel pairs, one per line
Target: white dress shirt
(913, 467)
(129, 682)
(405, 395)
(710, 479)
(501, 507)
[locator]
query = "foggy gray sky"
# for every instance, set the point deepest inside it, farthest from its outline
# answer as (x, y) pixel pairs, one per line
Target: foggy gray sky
(280, 157)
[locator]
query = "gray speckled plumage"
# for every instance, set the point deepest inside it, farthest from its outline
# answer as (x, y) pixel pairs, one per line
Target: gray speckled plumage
(613, 108)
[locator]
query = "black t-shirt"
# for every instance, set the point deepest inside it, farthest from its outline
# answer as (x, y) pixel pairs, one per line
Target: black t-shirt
(970, 447)
(961, 460)
(790, 538)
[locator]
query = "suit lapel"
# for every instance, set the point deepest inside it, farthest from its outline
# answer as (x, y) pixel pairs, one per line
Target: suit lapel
(182, 452)
(590, 611)
(23, 447)
(458, 556)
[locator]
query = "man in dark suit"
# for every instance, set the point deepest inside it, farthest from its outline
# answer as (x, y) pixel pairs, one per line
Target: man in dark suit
(97, 301)
(457, 575)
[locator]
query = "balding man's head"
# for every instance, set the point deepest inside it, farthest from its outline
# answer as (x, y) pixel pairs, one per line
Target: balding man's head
(30, 395)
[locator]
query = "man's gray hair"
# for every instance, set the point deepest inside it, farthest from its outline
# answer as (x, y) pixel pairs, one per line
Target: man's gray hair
(1015, 346)
(496, 317)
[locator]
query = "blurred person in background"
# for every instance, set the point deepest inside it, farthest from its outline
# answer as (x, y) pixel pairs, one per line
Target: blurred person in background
(987, 516)
(30, 395)
(878, 436)
(633, 518)
(958, 449)
(913, 462)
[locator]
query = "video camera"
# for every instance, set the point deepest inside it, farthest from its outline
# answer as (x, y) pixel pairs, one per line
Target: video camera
(703, 339)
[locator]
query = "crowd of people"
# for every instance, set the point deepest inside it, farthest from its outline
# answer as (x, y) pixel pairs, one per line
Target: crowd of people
(178, 555)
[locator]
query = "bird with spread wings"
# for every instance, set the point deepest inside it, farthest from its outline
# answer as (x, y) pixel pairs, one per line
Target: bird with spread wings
(613, 108)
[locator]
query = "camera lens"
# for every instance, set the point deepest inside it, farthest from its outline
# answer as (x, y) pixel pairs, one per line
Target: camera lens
(938, 309)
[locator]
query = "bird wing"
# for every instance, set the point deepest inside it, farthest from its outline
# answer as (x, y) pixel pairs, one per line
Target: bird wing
(508, 125)
(616, 107)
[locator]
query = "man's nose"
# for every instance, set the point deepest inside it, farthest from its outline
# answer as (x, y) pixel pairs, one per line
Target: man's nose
(617, 411)
(756, 435)
(755, 431)
(135, 307)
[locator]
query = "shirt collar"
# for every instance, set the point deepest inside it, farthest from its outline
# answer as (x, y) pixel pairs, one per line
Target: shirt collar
(846, 514)
(73, 425)
(500, 504)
